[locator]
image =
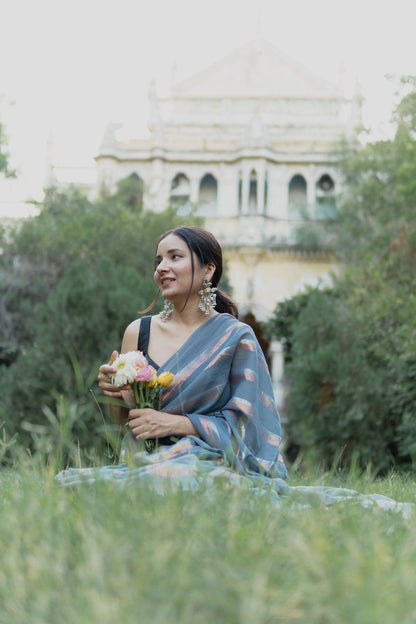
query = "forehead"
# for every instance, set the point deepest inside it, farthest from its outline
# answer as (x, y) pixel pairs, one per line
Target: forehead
(171, 241)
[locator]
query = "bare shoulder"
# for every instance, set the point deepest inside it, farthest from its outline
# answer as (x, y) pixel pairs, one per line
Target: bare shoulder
(130, 337)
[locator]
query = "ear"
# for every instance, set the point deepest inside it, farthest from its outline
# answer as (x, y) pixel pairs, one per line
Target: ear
(209, 270)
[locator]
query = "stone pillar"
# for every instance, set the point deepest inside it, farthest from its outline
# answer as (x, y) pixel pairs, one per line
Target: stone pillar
(154, 195)
(260, 191)
(194, 191)
(227, 192)
(245, 191)
(310, 191)
(266, 192)
(278, 193)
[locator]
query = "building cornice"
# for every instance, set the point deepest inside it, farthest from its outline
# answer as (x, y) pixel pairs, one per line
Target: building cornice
(229, 157)
(284, 251)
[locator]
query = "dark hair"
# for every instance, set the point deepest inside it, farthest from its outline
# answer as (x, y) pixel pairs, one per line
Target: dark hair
(208, 251)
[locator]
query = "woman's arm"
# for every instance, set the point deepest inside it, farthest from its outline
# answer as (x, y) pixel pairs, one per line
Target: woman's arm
(119, 413)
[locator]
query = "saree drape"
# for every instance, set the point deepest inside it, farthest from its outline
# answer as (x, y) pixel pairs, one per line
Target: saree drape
(222, 383)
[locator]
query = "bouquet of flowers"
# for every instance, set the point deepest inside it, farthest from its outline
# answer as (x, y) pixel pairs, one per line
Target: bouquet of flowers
(132, 368)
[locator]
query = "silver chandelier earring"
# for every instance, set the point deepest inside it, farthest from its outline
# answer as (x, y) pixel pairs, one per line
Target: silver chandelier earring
(208, 298)
(166, 312)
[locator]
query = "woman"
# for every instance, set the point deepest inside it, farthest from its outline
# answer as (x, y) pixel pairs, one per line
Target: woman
(219, 414)
(221, 397)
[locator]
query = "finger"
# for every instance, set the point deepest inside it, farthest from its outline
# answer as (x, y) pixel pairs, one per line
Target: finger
(112, 394)
(114, 356)
(136, 413)
(105, 383)
(142, 433)
(137, 425)
(106, 369)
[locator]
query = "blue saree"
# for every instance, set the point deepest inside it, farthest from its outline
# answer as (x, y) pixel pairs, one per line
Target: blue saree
(222, 384)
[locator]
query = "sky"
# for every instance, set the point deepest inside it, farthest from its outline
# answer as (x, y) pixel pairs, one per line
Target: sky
(68, 68)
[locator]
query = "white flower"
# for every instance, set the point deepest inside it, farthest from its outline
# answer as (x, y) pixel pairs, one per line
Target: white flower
(136, 358)
(125, 369)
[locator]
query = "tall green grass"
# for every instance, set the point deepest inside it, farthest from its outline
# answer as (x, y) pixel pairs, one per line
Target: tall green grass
(121, 553)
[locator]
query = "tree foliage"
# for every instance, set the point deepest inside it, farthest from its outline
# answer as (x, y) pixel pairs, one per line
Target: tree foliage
(352, 374)
(4, 155)
(283, 322)
(72, 278)
(380, 199)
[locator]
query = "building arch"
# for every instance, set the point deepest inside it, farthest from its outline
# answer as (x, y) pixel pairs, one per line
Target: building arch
(180, 192)
(298, 195)
(325, 201)
(208, 196)
(130, 190)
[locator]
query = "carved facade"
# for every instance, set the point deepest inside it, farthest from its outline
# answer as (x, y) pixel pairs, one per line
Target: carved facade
(247, 143)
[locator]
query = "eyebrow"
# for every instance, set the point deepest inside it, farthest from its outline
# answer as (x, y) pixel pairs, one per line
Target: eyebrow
(172, 251)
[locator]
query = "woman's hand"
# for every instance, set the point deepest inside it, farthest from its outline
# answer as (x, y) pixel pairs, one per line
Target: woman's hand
(106, 385)
(149, 423)
(104, 379)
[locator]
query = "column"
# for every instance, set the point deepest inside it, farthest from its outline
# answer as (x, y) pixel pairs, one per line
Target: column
(310, 191)
(194, 192)
(260, 191)
(278, 192)
(245, 191)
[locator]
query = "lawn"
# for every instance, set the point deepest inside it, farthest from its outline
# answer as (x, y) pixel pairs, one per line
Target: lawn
(121, 553)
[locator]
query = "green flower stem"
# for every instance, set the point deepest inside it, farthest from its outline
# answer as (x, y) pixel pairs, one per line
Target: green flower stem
(136, 394)
(141, 395)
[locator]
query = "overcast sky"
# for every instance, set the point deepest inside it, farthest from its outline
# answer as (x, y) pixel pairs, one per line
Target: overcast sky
(68, 67)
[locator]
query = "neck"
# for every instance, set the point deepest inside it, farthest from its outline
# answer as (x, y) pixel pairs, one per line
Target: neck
(190, 315)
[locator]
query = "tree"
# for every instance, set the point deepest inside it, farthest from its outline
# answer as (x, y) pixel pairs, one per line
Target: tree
(353, 355)
(380, 196)
(73, 277)
(4, 155)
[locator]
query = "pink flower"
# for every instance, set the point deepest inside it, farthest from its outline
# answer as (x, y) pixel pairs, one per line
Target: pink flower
(145, 373)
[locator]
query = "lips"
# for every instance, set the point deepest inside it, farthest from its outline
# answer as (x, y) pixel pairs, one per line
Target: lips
(166, 280)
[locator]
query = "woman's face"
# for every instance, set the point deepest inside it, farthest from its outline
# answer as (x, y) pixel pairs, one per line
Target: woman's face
(173, 272)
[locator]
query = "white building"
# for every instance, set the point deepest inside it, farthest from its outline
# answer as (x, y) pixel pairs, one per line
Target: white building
(248, 143)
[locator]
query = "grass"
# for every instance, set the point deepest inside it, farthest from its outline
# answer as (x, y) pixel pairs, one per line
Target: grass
(109, 553)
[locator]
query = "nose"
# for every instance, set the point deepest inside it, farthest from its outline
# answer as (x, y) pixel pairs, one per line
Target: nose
(162, 266)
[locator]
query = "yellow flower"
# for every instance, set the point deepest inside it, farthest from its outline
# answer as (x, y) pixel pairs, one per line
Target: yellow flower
(165, 379)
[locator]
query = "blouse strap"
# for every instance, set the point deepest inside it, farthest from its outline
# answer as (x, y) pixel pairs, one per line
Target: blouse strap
(144, 334)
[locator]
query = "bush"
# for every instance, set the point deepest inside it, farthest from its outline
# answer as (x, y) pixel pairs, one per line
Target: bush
(335, 402)
(72, 279)
(350, 374)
